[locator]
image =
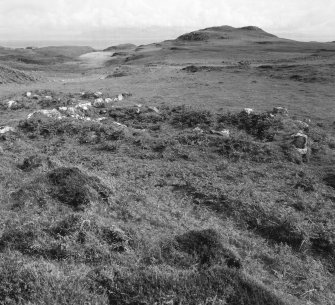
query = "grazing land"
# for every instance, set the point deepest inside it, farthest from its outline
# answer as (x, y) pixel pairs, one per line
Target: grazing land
(193, 171)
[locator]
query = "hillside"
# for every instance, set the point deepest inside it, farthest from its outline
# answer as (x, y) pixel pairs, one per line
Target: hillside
(9, 75)
(181, 172)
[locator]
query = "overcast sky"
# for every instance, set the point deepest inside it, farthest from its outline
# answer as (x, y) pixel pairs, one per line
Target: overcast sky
(80, 19)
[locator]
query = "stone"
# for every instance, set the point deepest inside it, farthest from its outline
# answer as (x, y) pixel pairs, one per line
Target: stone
(5, 129)
(225, 133)
(302, 125)
(198, 130)
(154, 109)
(99, 103)
(84, 106)
(97, 94)
(280, 110)
(248, 110)
(48, 98)
(28, 94)
(300, 142)
(108, 100)
(11, 104)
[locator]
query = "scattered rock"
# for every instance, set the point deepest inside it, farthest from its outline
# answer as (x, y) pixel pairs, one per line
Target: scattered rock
(48, 98)
(28, 94)
(53, 113)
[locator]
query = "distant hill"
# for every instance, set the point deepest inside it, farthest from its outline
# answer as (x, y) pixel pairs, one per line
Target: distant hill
(226, 32)
(121, 47)
(65, 51)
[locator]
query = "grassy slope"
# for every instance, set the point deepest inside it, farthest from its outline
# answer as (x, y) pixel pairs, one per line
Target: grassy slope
(120, 230)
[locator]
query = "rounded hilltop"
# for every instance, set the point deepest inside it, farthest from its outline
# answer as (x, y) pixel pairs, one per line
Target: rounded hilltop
(226, 32)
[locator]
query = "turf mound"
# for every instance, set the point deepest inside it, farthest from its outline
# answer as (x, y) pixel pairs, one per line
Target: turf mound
(76, 189)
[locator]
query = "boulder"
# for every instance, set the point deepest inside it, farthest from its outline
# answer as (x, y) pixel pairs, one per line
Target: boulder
(28, 94)
(300, 142)
(280, 111)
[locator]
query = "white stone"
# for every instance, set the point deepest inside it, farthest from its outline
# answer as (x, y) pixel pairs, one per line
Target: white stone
(6, 129)
(108, 100)
(120, 125)
(225, 133)
(48, 97)
(84, 106)
(248, 110)
(11, 104)
(97, 94)
(99, 103)
(28, 94)
(120, 97)
(198, 130)
(154, 109)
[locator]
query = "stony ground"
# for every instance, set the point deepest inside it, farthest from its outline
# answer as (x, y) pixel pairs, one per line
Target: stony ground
(145, 178)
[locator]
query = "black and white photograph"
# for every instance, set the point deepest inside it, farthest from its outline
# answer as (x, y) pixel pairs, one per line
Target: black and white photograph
(177, 152)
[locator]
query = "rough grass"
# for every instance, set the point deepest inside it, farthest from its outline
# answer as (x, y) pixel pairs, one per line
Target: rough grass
(162, 210)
